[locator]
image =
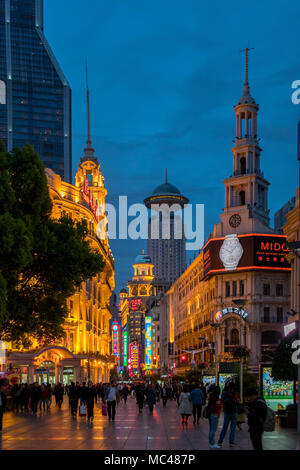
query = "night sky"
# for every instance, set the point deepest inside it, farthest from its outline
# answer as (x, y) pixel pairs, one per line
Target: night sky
(164, 77)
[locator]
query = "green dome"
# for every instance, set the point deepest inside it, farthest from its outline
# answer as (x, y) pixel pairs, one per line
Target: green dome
(166, 188)
(143, 259)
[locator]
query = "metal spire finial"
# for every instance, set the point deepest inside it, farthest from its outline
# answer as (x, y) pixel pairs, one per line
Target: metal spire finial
(166, 176)
(88, 106)
(246, 86)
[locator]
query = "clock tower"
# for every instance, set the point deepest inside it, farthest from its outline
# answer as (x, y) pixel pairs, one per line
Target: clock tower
(246, 190)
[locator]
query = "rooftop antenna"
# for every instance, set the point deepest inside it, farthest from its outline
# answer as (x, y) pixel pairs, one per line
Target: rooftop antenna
(89, 142)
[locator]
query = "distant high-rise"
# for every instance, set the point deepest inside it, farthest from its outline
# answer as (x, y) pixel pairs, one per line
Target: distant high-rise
(167, 254)
(280, 216)
(35, 97)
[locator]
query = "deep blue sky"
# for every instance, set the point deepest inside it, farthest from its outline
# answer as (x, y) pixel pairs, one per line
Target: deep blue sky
(164, 76)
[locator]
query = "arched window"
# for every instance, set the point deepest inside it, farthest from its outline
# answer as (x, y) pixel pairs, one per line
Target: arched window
(243, 165)
(242, 198)
(234, 337)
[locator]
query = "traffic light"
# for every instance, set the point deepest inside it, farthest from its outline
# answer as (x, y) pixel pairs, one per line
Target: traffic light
(154, 360)
(183, 358)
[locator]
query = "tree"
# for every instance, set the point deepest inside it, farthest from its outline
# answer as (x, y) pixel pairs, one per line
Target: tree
(42, 260)
(283, 367)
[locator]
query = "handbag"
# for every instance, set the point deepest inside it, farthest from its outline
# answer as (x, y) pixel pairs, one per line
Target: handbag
(104, 410)
(82, 410)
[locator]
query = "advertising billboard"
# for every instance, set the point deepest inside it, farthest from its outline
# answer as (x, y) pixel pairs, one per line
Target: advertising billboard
(148, 342)
(125, 348)
(115, 338)
(134, 355)
(255, 251)
(275, 390)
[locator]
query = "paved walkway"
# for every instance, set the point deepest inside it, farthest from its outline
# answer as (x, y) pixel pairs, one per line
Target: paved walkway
(130, 431)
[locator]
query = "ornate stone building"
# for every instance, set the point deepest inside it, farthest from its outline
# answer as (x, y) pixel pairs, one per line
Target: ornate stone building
(85, 353)
(237, 290)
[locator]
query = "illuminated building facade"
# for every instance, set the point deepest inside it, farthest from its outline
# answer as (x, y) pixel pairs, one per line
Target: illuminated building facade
(236, 292)
(85, 353)
(133, 308)
(167, 255)
(291, 230)
(35, 97)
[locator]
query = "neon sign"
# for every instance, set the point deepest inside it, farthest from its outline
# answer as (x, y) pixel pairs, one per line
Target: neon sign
(135, 304)
(134, 355)
(125, 348)
(148, 342)
(115, 338)
(238, 311)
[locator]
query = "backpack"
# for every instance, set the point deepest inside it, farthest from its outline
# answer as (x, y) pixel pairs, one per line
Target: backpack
(270, 421)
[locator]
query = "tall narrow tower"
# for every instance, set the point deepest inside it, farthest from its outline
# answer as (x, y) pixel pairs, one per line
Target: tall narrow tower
(246, 190)
(35, 97)
(167, 254)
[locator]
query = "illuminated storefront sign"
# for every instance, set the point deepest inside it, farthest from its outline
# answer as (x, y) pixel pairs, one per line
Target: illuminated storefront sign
(148, 342)
(115, 338)
(226, 311)
(135, 304)
(245, 252)
(134, 355)
(125, 348)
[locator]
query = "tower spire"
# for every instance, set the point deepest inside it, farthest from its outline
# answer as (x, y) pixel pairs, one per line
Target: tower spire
(89, 142)
(246, 84)
(166, 176)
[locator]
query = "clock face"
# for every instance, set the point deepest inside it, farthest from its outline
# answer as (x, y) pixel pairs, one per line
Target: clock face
(235, 220)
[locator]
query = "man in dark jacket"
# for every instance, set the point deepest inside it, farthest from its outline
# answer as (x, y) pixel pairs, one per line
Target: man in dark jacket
(229, 402)
(2, 404)
(73, 397)
(256, 417)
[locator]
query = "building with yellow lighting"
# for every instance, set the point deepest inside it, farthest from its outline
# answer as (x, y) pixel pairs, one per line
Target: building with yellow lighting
(133, 311)
(85, 352)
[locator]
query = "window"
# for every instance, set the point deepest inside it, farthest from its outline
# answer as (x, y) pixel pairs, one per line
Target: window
(279, 315)
(266, 315)
(279, 290)
(235, 337)
(267, 289)
(242, 288)
(227, 289)
(234, 289)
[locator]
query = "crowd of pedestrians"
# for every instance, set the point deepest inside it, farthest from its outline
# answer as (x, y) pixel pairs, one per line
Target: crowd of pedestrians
(194, 400)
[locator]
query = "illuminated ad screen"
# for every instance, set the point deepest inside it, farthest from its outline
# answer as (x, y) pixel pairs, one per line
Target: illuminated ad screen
(134, 355)
(223, 379)
(209, 379)
(125, 348)
(135, 304)
(258, 252)
(115, 338)
(274, 390)
(148, 342)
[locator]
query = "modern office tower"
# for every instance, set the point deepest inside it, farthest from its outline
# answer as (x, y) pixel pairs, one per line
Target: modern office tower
(35, 97)
(168, 254)
(280, 216)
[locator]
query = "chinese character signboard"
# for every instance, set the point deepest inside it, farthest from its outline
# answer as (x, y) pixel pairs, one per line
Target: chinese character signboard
(125, 349)
(134, 355)
(115, 338)
(148, 342)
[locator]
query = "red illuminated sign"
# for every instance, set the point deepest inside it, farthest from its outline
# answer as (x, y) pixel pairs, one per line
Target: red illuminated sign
(135, 304)
(260, 251)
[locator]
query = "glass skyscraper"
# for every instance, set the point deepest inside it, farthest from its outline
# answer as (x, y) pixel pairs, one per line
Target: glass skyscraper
(35, 97)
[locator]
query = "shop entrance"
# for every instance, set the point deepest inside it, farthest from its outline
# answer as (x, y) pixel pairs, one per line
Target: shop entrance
(45, 374)
(68, 375)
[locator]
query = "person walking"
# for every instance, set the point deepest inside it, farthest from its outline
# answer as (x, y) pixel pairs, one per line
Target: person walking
(185, 405)
(73, 398)
(150, 398)
(229, 402)
(2, 404)
(90, 401)
(125, 393)
(112, 398)
(140, 398)
(164, 395)
(214, 407)
(197, 399)
(256, 416)
(59, 394)
(43, 398)
(35, 395)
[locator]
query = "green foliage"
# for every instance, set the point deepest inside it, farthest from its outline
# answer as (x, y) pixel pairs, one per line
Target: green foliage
(283, 367)
(42, 261)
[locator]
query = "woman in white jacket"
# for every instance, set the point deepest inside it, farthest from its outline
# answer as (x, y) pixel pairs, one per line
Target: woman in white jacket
(185, 408)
